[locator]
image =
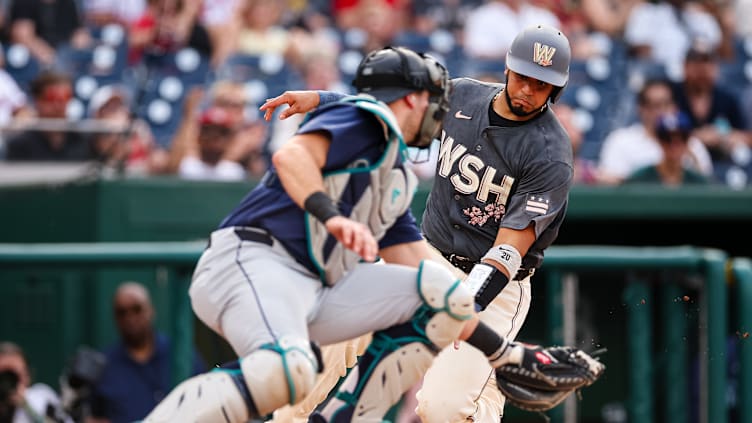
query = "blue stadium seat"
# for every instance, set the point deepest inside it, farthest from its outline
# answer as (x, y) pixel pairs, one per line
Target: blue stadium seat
(100, 62)
(21, 65)
(482, 68)
(602, 99)
(736, 74)
(414, 41)
(348, 62)
(161, 106)
(192, 67)
(269, 70)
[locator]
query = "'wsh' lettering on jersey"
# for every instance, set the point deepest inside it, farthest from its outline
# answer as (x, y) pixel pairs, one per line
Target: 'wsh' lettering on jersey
(468, 179)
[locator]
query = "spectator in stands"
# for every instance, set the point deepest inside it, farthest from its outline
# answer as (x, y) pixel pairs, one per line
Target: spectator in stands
(381, 21)
(51, 92)
(130, 147)
(247, 145)
(13, 101)
(220, 18)
(12, 104)
(349, 14)
(45, 25)
(662, 31)
(608, 16)
(742, 11)
(167, 26)
(673, 132)
(490, 28)
(716, 114)
(724, 13)
(102, 12)
(261, 31)
(587, 41)
(627, 149)
(20, 401)
(585, 171)
(138, 371)
(215, 136)
(428, 15)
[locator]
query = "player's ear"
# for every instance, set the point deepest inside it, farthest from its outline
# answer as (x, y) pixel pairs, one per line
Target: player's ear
(411, 99)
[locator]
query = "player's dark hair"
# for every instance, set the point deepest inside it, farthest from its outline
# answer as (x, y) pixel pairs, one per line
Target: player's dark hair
(650, 83)
(45, 79)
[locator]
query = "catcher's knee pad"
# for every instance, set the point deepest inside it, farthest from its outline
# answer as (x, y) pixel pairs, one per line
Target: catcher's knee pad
(280, 373)
(447, 300)
(399, 356)
(275, 375)
(206, 398)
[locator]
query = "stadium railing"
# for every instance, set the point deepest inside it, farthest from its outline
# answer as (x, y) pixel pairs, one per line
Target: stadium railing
(710, 264)
(742, 277)
(638, 264)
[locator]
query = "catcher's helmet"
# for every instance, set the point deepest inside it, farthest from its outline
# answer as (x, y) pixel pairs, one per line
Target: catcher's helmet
(394, 72)
(541, 52)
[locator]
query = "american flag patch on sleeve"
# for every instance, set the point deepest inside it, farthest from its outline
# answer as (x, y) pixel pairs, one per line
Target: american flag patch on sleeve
(536, 204)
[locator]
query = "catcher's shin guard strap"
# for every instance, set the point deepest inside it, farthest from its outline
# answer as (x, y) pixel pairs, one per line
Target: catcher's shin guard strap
(280, 373)
(486, 282)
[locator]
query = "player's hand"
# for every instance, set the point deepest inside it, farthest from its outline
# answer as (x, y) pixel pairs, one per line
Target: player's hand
(299, 102)
(355, 236)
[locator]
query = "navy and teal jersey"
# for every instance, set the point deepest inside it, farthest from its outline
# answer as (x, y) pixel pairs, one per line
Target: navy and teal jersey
(357, 139)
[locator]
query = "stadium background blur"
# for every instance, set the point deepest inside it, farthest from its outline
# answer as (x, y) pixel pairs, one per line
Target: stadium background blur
(164, 59)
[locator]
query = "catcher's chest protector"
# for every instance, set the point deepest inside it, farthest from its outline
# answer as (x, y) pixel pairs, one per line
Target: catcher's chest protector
(388, 196)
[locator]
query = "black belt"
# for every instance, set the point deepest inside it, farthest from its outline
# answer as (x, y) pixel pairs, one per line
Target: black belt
(253, 234)
(466, 265)
(250, 234)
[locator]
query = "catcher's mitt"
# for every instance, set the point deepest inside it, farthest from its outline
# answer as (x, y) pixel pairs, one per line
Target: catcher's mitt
(538, 379)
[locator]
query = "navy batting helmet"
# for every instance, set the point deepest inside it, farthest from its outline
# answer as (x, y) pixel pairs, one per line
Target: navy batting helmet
(542, 52)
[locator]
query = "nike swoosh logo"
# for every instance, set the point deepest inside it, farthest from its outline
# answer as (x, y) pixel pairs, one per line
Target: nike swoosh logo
(459, 115)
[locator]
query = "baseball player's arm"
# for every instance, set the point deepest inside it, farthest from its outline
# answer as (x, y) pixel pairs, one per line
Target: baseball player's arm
(521, 240)
(500, 264)
(298, 164)
(299, 102)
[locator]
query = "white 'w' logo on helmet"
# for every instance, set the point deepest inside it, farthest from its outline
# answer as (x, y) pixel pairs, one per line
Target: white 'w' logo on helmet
(543, 54)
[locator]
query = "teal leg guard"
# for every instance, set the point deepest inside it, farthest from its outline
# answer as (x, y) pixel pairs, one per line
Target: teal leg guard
(399, 356)
(395, 360)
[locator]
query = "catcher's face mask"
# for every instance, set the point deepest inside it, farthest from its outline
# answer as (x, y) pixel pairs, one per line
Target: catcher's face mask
(438, 102)
(394, 72)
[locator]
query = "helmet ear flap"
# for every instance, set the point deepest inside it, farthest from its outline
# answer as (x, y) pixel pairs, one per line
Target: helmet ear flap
(557, 92)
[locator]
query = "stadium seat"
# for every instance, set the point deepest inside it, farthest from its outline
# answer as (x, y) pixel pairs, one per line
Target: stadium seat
(21, 65)
(348, 62)
(736, 74)
(267, 70)
(100, 62)
(160, 104)
(187, 64)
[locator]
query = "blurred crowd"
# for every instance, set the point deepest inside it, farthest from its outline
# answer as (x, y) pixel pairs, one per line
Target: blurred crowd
(172, 87)
(121, 383)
